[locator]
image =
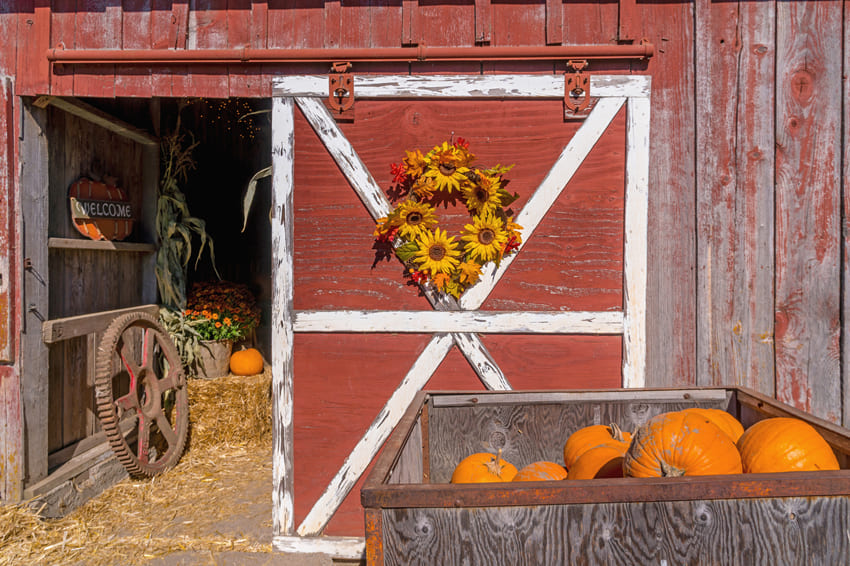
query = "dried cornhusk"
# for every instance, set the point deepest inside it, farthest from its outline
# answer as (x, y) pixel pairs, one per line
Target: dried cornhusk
(195, 506)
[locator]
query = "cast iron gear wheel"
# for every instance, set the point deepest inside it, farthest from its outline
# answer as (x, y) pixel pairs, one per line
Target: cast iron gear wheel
(139, 381)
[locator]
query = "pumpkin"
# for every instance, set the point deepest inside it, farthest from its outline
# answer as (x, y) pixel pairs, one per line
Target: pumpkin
(604, 461)
(727, 423)
(541, 471)
(592, 436)
(246, 362)
(483, 467)
(680, 443)
(785, 444)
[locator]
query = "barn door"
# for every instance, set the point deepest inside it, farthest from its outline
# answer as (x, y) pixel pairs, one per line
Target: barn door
(453, 323)
(73, 286)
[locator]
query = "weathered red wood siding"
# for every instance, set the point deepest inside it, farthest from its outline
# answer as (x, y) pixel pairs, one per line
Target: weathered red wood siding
(748, 200)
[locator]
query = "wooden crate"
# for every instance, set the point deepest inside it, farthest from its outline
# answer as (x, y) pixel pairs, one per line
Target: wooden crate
(414, 516)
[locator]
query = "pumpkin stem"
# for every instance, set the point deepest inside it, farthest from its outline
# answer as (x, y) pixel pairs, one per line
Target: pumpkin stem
(616, 432)
(494, 466)
(668, 471)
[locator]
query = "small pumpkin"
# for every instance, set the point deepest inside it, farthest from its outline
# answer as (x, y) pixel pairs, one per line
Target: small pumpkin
(246, 362)
(680, 443)
(592, 436)
(727, 423)
(785, 444)
(604, 461)
(541, 471)
(483, 467)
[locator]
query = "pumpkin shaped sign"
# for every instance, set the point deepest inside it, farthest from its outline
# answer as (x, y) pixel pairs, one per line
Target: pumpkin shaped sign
(100, 211)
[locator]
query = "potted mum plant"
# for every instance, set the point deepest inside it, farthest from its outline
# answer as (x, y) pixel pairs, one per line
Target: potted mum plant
(221, 313)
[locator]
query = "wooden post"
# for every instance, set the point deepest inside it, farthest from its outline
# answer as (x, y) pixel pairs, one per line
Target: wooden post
(34, 352)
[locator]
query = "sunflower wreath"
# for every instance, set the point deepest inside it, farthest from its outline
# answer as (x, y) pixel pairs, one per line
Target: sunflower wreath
(445, 175)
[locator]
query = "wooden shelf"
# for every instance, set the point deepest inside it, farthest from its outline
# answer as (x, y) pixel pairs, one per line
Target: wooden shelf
(80, 244)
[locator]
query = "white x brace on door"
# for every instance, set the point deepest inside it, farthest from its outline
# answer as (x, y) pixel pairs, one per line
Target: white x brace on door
(452, 322)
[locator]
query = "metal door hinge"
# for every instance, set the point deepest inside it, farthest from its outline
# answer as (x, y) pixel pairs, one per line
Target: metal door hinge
(576, 87)
(341, 90)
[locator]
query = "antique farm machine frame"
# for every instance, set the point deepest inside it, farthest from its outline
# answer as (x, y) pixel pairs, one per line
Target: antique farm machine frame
(454, 323)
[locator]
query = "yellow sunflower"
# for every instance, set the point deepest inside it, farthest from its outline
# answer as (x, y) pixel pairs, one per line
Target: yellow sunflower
(415, 218)
(484, 196)
(437, 253)
(485, 237)
(447, 167)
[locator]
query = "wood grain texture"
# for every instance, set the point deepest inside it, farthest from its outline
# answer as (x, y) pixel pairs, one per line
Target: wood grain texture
(808, 188)
(526, 433)
(785, 531)
(671, 284)
(136, 28)
(845, 274)
(735, 214)
(34, 355)
(97, 25)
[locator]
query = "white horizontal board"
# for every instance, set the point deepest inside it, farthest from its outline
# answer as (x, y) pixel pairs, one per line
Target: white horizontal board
(346, 548)
(418, 322)
(463, 86)
(609, 395)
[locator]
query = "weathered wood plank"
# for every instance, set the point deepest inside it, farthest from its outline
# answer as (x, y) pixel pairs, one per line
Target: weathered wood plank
(102, 245)
(136, 29)
(465, 321)
(97, 26)
(345, 548)
(808, 223)
(34, 355)
(8, 232)
(100, 118)
(845, 306)
(751, 531)
(60, 329)
(207, 30)
(635, 243)
(283, 139)
(465, 86)
(734, 76)
(671, 280)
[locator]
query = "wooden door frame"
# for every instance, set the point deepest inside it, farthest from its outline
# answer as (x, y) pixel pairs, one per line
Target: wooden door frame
(450, 321)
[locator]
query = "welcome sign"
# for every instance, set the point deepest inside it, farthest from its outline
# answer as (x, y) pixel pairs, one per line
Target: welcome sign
(101, 211)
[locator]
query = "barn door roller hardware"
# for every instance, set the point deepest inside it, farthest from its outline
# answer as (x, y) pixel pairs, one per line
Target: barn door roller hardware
(341, 90)
(576, 87)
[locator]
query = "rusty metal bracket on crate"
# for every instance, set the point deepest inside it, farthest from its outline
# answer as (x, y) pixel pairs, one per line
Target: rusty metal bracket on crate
(341, 89)
(576, 87)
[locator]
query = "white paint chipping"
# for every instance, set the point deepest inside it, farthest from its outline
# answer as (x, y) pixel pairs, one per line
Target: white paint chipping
(462, 86)
(635, 244)
(283, 133)
(346, 548)
(420, 322)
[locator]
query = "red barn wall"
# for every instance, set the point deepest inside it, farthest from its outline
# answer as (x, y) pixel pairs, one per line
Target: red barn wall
(749, 151)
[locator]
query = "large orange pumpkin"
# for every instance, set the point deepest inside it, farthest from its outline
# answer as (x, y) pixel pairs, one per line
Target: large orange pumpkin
(784, 444)
(727, 423)
(592, 436)
(604, 461)
(541, 471)
(246, 362)
(680, 444)
(483, 467)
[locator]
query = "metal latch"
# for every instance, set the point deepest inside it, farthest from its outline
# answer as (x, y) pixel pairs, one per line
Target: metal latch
(576, 86)
(340, 89)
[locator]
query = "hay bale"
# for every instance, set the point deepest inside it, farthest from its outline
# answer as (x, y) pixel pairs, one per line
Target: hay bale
(182, 509)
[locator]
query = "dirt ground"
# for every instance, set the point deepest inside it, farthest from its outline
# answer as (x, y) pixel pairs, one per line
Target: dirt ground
(213, 508)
